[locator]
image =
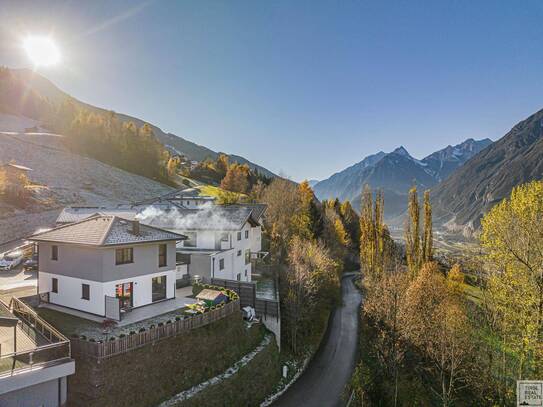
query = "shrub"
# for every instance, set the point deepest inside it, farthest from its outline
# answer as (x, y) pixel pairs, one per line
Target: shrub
(178, 318)
(112, 339)
(142, 329)
(122, 335)
(132, 333)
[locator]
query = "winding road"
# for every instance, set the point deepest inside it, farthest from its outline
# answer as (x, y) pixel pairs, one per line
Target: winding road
(323, 382)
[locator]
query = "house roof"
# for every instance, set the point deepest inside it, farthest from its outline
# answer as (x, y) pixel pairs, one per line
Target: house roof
(208, 294)
(73, 214)
(213, 218)
(105, 230)
(258, 209)
(179, 194)
(16, 166)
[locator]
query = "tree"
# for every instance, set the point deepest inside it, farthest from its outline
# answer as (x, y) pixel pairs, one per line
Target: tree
(384, 303)
(236, 179)
(412, 234)
(435, 321)
(368, 241)
(512, 237)
(427, 239)
(351, 221)
(311, 277)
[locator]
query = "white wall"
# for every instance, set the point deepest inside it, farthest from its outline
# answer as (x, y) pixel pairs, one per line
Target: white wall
(70, 290)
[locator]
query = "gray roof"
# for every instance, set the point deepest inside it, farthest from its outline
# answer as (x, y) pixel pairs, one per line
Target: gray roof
(257, 208)
(105, 230)
(214, 218)
(179, 194)
(6, 317)
(73, 214)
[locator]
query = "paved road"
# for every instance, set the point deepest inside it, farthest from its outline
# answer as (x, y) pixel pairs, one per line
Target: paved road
(322, 384)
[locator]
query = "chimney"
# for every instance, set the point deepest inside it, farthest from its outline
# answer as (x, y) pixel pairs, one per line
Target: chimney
(136, 227)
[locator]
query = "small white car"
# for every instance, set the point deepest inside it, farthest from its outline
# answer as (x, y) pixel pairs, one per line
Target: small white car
(11, 260)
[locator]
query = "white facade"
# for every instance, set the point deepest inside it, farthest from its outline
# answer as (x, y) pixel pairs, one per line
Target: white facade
(97, 268)
(228, 252)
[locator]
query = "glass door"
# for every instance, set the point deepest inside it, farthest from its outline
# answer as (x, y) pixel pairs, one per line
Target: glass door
(124, 293)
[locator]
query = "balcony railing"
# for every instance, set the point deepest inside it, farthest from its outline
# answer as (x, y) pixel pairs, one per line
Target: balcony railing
(38, 330)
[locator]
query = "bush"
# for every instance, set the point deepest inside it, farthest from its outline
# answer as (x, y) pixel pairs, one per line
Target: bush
(142, 329)
(112, 339)
(122, 335)
(132, 333)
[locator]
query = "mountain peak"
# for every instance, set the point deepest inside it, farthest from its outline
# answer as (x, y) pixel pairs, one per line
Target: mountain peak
(401, 151)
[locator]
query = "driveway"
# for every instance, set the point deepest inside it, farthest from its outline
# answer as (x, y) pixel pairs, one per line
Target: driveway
(323, 382)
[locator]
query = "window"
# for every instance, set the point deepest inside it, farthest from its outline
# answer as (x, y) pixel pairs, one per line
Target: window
(246, 234)
(188, 202)
(124, 256)
(54, 252)
(54, 285)
(182, 258)
(191, 239)
(247, 256)
(239, 252)
(162, 255)
(224, 237)
(221, 264)
(239, 235)
(85, 292)
(159, 288)
(245, 272)
(238, 277)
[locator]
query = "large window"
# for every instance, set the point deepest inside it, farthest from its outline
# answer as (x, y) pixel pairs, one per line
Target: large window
(221, 264)
(54, 288)
(54, 252)
(159, 288)
(239, 235)
(124, 256)
(224, 237)
(162, 255)
(191, 239)
(182, 258)
(85, 292)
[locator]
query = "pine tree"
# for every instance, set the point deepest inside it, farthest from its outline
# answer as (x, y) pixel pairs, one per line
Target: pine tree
(427, 240)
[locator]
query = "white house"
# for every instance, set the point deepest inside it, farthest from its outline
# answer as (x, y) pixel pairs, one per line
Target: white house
(220, 240)
(85, 264)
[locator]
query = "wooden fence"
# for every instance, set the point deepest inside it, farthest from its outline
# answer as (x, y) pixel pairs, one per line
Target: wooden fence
(106, 349)
(247, 295)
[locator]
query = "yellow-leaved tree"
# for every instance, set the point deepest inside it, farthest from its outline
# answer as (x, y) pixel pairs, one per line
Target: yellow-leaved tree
(512, 236)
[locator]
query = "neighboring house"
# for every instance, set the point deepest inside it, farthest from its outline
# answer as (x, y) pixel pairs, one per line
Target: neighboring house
(219, 240)
(34, 362)
(85, 264)
(72, 214)
(13, 180)
(222, 240)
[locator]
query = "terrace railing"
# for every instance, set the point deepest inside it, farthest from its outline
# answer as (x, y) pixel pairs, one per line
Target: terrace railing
(106, 349)
(56, 347)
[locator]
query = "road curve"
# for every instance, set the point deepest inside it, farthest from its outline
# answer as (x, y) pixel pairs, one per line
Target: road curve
(323, 382)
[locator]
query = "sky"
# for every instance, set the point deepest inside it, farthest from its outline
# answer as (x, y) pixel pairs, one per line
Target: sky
(304, 88)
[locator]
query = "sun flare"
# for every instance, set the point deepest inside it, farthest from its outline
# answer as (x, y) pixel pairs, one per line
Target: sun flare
(42, 51)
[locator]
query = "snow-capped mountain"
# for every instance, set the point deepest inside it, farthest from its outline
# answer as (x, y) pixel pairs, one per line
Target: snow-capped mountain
(395, 173)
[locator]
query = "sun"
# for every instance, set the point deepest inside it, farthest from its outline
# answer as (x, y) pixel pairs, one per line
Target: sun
(42, 51)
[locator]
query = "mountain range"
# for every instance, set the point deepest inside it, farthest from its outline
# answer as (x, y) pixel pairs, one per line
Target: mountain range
(395, 173)
(461, 200)
(176, 144)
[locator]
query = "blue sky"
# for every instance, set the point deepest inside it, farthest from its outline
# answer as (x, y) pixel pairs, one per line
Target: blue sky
(302, 87)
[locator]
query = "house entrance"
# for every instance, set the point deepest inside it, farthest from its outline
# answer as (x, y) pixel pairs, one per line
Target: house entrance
(124, 293)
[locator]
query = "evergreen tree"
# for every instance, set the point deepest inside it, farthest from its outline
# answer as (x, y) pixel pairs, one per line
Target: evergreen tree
(367, 232)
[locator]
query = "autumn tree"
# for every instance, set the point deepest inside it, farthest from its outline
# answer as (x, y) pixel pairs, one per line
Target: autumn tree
(236, 179)
(512, 237)
(412, 234)
(311, 275)
(427, 237)
(435, 321)
(368, 239)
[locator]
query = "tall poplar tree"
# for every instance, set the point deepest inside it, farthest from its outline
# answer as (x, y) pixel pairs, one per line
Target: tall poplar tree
(412, 234)
(367, 232)
(427, 239)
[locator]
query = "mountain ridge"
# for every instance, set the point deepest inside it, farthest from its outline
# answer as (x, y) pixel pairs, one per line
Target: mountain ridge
(174, 143)
(396, 172)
